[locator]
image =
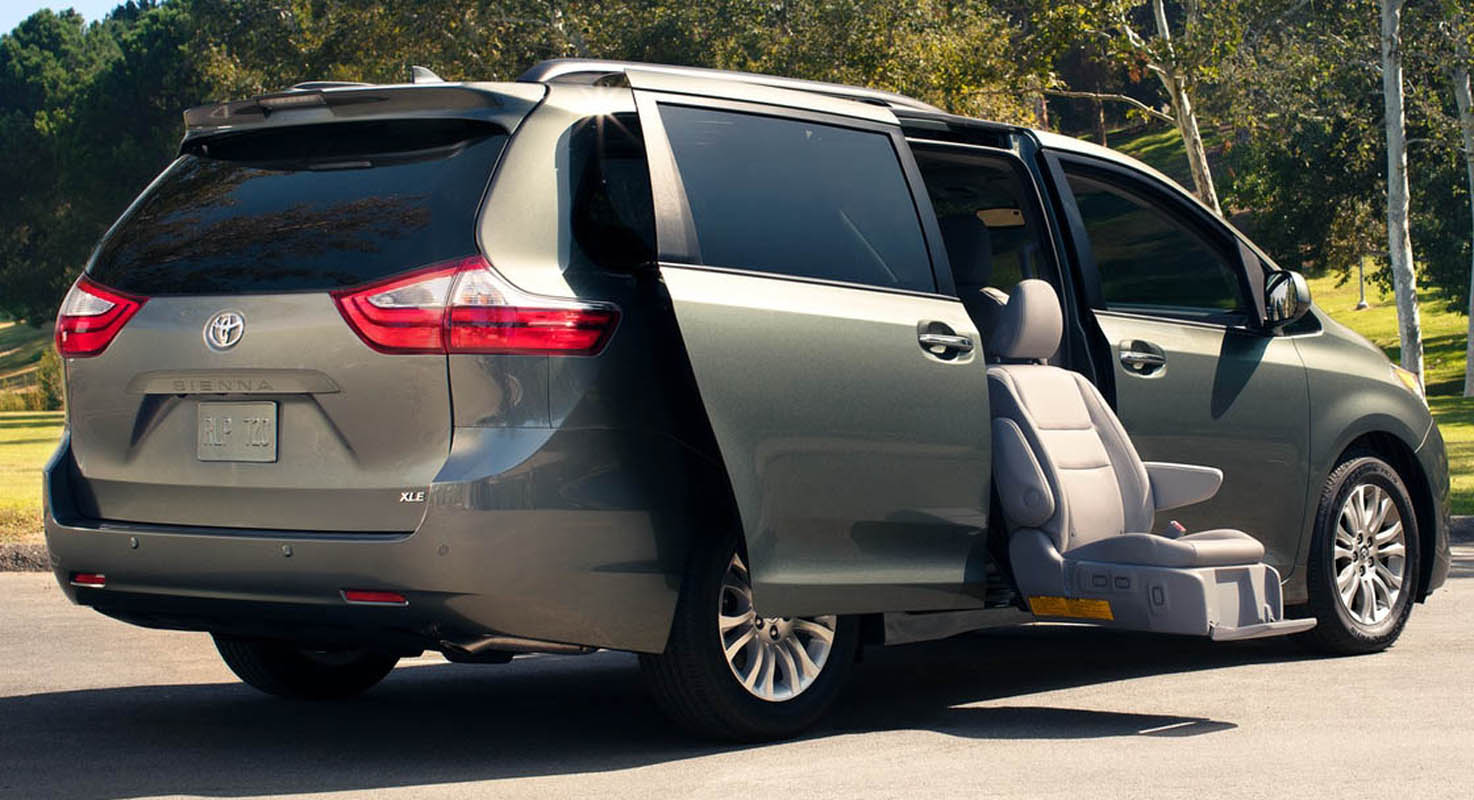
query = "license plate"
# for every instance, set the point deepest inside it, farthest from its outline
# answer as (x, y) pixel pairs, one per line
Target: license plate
(237, 432)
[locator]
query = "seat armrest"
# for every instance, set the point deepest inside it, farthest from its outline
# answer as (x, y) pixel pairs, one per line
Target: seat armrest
(1178, 485)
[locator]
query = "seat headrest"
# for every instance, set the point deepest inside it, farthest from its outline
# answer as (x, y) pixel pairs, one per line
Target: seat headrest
(969, 248)
(1030, 325)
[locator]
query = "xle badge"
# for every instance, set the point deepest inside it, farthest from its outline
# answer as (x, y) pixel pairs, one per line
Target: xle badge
(412, 497)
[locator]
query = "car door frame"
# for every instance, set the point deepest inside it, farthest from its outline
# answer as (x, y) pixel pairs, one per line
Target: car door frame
(1253, 266)
(678, 247)
(1250, 264)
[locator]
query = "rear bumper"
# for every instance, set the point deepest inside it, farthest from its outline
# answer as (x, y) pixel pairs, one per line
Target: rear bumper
(576, 537)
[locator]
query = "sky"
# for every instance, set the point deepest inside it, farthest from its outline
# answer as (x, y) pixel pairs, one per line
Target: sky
(13, 11)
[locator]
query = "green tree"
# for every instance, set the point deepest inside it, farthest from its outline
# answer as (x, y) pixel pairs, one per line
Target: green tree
(88, 115)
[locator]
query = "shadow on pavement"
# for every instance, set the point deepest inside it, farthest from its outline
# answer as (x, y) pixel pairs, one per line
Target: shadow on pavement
(537, 716)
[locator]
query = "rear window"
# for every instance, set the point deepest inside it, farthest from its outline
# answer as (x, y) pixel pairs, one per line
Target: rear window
(304, 209)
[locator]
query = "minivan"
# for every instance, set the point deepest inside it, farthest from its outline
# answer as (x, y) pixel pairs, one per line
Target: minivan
(709, 367)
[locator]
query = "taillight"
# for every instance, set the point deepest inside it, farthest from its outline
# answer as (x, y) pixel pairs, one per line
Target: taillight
(91, 316)
(404, 314)
(465, 307)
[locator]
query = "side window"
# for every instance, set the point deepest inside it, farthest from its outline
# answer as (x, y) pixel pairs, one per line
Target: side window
(613, 215)
(1150, 260)
(798, 198)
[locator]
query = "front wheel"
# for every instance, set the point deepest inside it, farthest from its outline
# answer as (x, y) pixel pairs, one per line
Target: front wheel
(1363, 568)
(729, 672)
(286, 670)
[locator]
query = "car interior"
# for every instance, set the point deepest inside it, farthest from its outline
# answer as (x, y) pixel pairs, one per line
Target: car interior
(989, 226)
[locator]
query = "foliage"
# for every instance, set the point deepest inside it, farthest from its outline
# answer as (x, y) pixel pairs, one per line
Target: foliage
(1309, 158)
(49, 381)
(88, 115)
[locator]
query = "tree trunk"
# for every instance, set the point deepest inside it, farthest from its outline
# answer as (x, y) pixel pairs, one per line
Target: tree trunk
(1100, 123)
(1399, 241)
(1466, 125)
(1187, 119)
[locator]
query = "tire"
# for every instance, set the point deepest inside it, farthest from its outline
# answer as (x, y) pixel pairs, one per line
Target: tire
(1349, 625)
(286, 670)
(695, 685)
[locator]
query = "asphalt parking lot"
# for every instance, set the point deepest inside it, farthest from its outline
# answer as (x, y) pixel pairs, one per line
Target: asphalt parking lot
(94, 708)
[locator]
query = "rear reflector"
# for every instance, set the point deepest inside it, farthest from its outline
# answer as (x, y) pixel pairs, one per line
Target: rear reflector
(463, 306)
(374, 597)
(95, 580)
(91, 316)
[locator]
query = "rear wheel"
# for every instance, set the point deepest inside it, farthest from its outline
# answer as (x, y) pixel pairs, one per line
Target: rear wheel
(729, 672)
(287, 670)
(1363, 566)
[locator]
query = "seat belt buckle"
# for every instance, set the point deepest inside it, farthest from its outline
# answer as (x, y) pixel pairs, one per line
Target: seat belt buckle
(1175, 529)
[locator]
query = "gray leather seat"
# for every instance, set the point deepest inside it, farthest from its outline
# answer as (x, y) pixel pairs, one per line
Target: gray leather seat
(1080, 505)
(1067, 468)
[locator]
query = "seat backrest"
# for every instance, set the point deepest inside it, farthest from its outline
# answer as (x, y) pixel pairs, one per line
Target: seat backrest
(1061, 460)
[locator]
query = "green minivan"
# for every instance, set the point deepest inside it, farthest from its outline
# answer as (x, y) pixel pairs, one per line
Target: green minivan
(736, 372)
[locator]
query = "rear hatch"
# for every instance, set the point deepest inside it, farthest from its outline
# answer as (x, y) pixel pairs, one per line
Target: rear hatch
(233, 390)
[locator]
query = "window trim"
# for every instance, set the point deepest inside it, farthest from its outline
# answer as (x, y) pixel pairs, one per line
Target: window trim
(675, 226)
(1175, 206)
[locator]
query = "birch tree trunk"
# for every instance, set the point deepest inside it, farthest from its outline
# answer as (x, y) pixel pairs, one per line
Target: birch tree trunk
(1466, 126)
(1399, 241)
(1185, 117)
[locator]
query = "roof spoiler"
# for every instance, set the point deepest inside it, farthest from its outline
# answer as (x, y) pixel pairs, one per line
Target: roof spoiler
(334, 101)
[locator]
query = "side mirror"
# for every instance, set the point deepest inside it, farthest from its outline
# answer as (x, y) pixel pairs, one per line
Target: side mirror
(1286, 298)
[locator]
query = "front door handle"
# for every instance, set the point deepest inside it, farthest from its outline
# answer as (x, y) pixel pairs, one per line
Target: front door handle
(939, 343)
(1141, 357)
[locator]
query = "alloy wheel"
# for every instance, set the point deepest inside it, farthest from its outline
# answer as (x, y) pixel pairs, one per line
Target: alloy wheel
(774, 658)
(1370, 555)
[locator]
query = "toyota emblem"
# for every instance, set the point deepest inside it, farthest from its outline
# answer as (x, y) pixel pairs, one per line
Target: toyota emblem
(224, 330)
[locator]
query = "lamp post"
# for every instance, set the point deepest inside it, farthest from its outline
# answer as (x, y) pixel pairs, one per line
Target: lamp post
(1361, 280)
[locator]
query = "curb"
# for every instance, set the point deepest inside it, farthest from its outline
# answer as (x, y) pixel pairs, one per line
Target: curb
(24, 557)
(1461, 531)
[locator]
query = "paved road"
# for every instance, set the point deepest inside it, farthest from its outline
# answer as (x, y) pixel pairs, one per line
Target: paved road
(94, 708)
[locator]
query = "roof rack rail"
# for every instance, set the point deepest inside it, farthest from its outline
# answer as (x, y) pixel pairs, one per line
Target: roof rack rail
(591, 70)
(307, 86)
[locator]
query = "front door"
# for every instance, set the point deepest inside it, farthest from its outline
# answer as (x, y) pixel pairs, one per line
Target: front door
(1197, 381)
(847, 391)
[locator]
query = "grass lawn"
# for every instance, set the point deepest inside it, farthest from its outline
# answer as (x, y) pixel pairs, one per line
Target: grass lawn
(1443, 360)
(27, 439)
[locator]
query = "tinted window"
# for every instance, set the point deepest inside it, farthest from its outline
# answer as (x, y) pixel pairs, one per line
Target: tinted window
(1149, 259)
(613, 216)
(310, 208)
(797, 198)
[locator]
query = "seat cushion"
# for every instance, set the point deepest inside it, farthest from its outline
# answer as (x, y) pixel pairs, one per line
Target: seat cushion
(1216, 548)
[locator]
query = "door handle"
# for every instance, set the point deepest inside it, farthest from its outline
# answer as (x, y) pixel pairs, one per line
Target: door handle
(1141, 357)
(1131, 358)
(944, 342)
